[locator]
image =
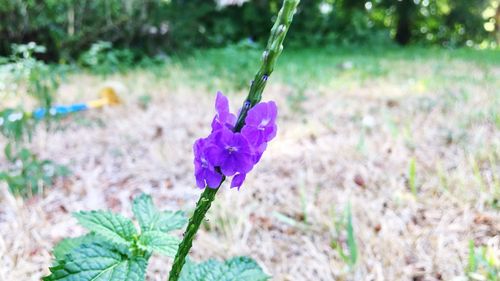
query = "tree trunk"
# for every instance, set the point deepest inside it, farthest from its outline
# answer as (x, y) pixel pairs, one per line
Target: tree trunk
(404, 9)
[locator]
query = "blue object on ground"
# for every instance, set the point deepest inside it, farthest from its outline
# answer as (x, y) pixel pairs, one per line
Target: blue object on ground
(59, 110)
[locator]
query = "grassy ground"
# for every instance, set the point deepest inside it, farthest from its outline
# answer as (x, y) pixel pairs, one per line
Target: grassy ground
(408, 138)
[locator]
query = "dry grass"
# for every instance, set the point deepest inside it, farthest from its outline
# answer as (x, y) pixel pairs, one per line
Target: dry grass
(350, 142)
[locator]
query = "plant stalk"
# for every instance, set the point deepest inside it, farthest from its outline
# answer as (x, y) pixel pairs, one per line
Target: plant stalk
(204, 203)
(269, 57)
(272, 52)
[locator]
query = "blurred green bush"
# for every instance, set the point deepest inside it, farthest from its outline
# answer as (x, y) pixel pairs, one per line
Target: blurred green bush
(151, 27)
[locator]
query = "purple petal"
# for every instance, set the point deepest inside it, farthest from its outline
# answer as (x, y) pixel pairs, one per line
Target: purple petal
(200, 179)
(272, 111)
(215, 155)
(256, 114)
(231, 120)
(245, 163)
(223, 137)
(270, 132)
(223, 118)
(221, 103)
(197, 148)
(237, 180)
(229, 166)
(240, 141)
(212, 178)
(262, 114)
(260, 123)
(252, 134)
(259, 152)
(216, 124)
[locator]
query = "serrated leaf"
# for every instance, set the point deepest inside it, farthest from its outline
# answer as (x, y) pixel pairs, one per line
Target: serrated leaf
(151, 219)
(65, 246)
(98, 262)
(168, 220)
(244, 269)
(204, 271)
(145, 211)
(159, 242)
(113, 227)
(235, 269)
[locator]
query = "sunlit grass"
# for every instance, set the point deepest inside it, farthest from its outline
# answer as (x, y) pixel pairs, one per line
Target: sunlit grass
(229, 67)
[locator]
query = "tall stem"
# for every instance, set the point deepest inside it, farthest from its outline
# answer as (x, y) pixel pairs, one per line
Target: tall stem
(269, 57)
(206, 199)
(273, 50)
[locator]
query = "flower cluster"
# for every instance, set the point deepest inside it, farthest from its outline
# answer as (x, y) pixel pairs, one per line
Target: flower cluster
(228, 153)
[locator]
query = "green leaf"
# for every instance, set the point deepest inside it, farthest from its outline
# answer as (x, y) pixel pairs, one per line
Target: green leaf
(235, 269)
(244, 268)
(159, 242)
(8, 152)
(168, 221)
(205, 271)
(67, 245)
(151, 219)
(112, 227)
(144, 211)
(98, 262)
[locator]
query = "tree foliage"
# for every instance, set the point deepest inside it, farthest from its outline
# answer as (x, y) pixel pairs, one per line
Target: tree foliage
(69, 27)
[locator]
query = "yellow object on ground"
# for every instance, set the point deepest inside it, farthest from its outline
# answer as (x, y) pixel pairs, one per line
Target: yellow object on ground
(108, 97)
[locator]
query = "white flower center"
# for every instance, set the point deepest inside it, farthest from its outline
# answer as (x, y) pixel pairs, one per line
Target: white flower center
(231, 149)
(264, 123)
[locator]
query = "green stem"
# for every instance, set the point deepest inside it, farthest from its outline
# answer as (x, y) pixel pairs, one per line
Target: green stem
(269, 57)
(206, 199)
(273, 50)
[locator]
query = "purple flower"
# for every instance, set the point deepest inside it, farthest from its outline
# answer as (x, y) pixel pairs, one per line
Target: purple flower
(223, 118)
(204, 172)
(230, 151)
(260, 123)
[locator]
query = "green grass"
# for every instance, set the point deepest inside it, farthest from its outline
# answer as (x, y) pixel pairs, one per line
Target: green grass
(482, 264)
(412, 176)
(231, 68)
(344, 226)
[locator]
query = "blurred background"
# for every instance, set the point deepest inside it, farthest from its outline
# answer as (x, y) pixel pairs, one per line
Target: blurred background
(387, 161)
(155, 27)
